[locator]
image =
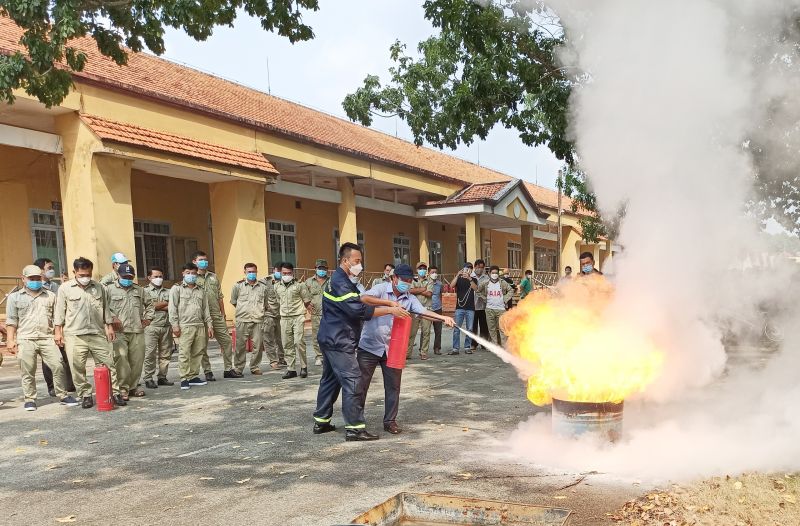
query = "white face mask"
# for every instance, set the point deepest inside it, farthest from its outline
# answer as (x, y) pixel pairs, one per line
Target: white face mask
(84, 280)
(494, 277)
(50, 274)
(434, 275)
(355, 270)
(157, 281)
(287, 278)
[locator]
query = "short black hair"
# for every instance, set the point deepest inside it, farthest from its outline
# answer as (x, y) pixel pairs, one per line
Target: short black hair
(250, 265)
(347, 248)
(588, 255)
(433, 267)
(480, 262)
(494, 267)
(82, 264)
(159, 269)
(568, 268)
(41, 262)
(277, 265)
(287, 265)
(388, 265)
(190, 266)
(528, 271)
(197, 254)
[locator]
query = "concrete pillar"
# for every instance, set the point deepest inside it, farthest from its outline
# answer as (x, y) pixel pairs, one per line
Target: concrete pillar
(240, 232)
(424, 253)
(570, 245)
(348, 231)
(474, 240)
(96, 198)
(596, 254)
(526, 240)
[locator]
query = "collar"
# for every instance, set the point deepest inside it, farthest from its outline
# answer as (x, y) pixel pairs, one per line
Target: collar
(26, 290)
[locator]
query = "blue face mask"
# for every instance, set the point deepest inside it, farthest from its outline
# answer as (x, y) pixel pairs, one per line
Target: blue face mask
(34, 285)
(125, 282)
(422, 272)
(190, 279)
(251, 276)
(276, 275)
(322, 273)
(587, 269)
(402, 286)
(202, 264)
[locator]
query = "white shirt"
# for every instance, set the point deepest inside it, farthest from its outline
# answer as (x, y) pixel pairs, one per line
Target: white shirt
(494, 296)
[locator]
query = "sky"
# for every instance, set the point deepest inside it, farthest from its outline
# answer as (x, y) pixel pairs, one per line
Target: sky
(352, 41)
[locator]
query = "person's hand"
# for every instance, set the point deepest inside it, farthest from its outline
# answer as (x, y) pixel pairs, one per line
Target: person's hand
(450, 322)
(210, 333)
(58, 337)
(145, 323)
(110, 334)
(117, 324)
(393, 304)
(11, 346)
(176, 332)
(399, 312)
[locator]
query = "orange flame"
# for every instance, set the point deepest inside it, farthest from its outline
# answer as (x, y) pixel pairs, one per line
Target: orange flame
(576, 352)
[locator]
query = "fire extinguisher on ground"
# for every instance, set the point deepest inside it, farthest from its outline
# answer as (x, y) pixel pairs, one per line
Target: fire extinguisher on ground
(102, 386)
(248, 345)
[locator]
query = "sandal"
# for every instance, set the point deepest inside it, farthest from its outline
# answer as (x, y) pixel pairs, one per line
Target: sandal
(138, 393)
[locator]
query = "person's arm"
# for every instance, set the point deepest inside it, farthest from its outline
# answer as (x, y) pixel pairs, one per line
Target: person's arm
(174, 304)
(305, 295)
(481, 290)
(455, 280)
(473, 284)
(447, 320)
(508, 292)
(399, 312)
(59, 316)
(373, 297)
(148, 313)
(235, 294)
(207, 316)
(11, 325)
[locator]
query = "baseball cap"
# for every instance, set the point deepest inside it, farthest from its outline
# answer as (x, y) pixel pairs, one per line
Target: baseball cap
(119, 257)
(31, 270)
(422, 264)
(404, 271)
(126, 270)
(321, 263)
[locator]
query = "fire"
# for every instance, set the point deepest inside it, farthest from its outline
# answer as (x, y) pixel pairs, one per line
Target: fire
(577, 353)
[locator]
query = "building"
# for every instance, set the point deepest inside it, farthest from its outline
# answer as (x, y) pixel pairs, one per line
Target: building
(156, 159)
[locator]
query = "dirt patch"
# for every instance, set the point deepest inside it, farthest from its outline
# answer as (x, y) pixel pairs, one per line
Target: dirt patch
(751, 499)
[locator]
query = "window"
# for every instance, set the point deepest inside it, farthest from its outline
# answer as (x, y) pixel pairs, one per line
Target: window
(514, 255)
(401, 249)
(335, 261)
(47, 236)
(487, 252)
(282, 243)
(461, 248)
(545, 259)
(153, 247)
(435, 252)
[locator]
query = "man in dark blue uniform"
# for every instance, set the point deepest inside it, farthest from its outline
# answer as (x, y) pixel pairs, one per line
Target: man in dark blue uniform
(343, 315)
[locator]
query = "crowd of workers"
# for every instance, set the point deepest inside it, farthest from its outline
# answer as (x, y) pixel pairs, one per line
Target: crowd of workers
(133, 330)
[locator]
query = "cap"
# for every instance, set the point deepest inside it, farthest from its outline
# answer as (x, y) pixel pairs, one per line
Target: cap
(404, 271)
(321, 263)
(126, 270)
(31, 270)
(422, 264)
(119, 257)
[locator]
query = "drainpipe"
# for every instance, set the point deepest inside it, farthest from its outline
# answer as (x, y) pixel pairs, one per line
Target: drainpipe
(558, 234)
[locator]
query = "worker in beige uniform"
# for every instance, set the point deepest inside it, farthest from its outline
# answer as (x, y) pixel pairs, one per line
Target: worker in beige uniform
(29, 326)
(422, 287)
(116, 260)
(210, 283)
(315, 285)
(131, 312)
(251, 299)
(495, 293)
(273, 341)
(191, 324)
(158, 335)
(294, 300)
(82, 320)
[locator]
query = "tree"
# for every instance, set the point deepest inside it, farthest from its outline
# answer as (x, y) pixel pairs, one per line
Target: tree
(119, 27)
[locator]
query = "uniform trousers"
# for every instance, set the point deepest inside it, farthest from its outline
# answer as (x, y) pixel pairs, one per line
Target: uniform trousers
(340, 372)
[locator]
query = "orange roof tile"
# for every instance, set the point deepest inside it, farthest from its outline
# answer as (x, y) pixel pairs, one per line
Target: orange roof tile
(164, 142)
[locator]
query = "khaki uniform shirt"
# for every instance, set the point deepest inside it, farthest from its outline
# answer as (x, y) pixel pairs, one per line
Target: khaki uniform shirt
(273, 303)
(131, 305)
(157, 295)
(52, 286)
(251, 301)
(82, 311)
(315, 291)
(210, 283)
(188, 306)
(423, 283)
(293, 298)
(31, 314)
(109, 278)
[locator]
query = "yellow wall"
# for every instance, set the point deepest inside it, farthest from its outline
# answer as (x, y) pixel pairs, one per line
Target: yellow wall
(315, 222)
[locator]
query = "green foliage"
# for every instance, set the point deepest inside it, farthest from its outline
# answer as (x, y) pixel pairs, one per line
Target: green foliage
(45, 70)
(574, 184)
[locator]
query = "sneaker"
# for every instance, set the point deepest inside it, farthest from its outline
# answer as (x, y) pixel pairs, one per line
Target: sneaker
(289, 374)
(88, 402)
(164, 381)
(194, 382)
(120, 401)
(69, 401)
(232, 373)
(30, 406)
(209, 378)
(150, 384)
(468, 351)
(184, 385)
(318, 362)
(453, 352)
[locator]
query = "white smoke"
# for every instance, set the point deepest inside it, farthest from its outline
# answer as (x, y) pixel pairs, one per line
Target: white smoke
(672, 93)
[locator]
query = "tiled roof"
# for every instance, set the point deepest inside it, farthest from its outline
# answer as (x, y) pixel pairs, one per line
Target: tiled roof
(185, 87)
(164, 142)
(474, 193)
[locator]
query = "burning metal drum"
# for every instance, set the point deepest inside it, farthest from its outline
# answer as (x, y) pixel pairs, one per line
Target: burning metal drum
(600, 419)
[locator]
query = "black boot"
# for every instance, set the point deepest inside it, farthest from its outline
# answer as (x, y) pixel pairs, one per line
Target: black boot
(359, 435)
(119, 400)
(289, 374)
(303, 373)
(323, 427)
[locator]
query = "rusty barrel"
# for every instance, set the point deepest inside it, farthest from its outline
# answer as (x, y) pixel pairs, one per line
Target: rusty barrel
(600, 419)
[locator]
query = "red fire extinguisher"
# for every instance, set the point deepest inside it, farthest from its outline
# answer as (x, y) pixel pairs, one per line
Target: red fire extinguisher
(102, 385)
(248, 343)
(398, 344)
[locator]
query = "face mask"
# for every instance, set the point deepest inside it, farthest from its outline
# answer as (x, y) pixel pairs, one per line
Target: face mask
(157, 281)
(434, 275)
(322, 273)
(276, 275)
(355, 270)
(478, 271)
(587, 269)
(402, 287)
(50, 274)
(190, 279)
(84, 280)
(494, 277)
(251, 276)
(202, 264)
(422, 272)
(34, 285)
(387, 275)
(287, 278)
(125, 282)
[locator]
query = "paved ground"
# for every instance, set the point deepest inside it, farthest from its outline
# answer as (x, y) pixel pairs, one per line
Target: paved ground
(242, 452)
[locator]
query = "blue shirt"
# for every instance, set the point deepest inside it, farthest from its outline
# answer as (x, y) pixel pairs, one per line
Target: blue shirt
(343, 314)
(378, 331)
(436, 299)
